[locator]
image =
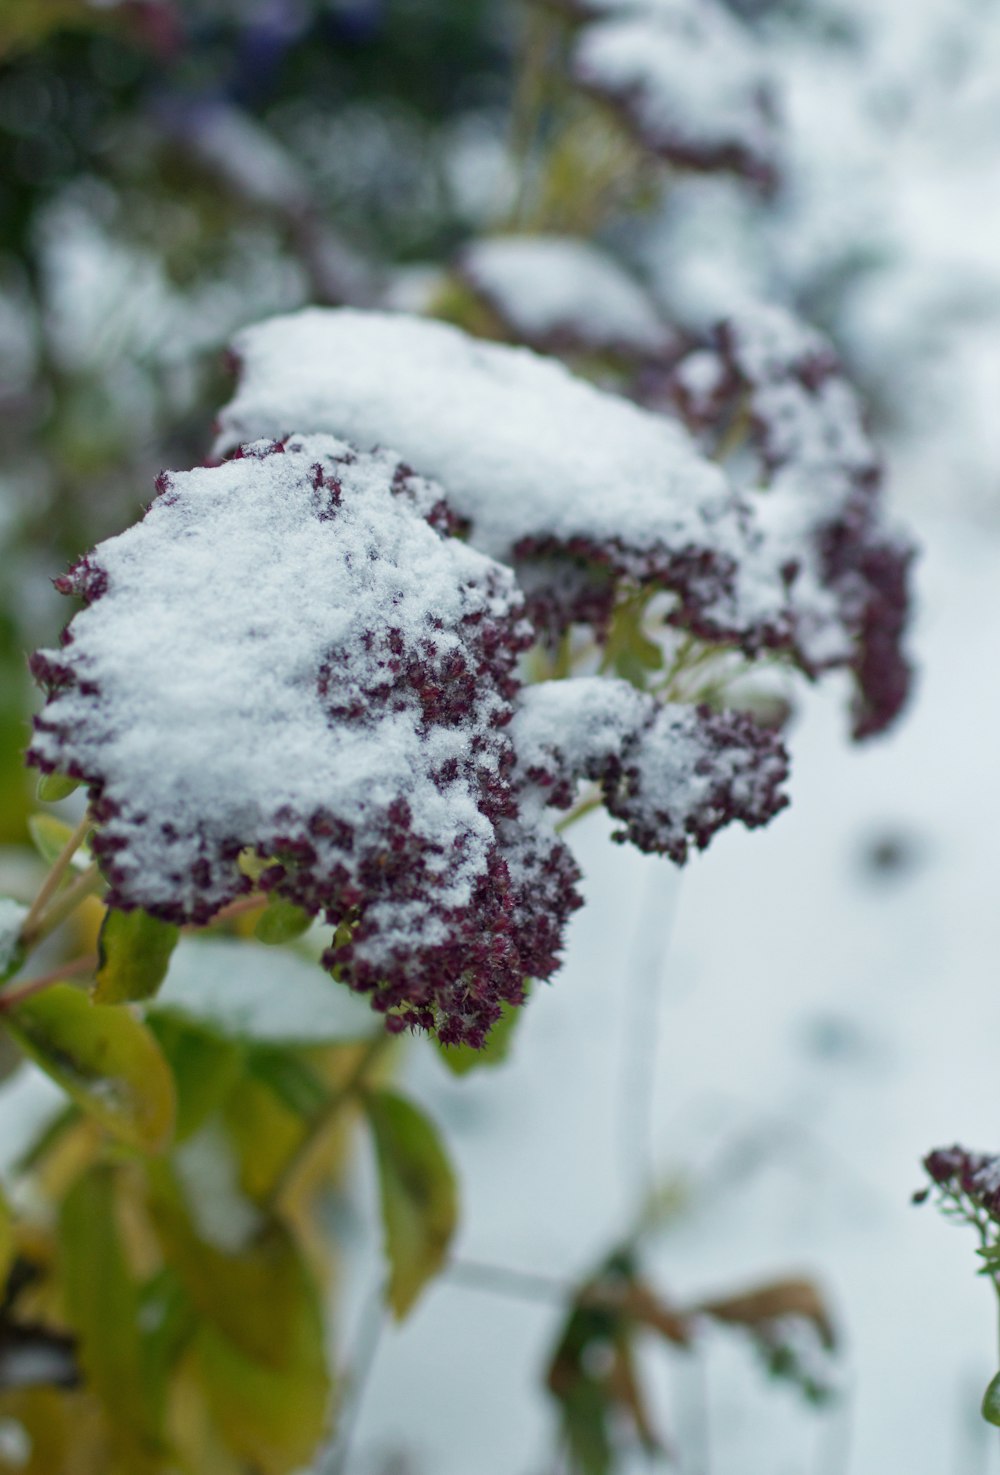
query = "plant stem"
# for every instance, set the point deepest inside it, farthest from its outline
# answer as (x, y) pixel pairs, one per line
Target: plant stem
(322, 1120)
(585, 806)
(11, 997)
(52, 881)
(85, 885)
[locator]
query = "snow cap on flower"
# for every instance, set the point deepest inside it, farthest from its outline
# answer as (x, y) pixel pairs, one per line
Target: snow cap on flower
(291, 654)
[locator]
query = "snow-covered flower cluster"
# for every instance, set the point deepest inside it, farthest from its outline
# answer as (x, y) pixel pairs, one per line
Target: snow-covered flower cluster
(687, 77)
(292, 655)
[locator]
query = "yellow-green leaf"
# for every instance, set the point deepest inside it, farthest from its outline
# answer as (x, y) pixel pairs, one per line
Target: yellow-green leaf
(273, 1417)
(418, 1194)
(281, 921)
(260, 1343)
(102, 1305)
(134, 950)
(991, 1401)
(104, 1058)
(49, 836)
(55, 786)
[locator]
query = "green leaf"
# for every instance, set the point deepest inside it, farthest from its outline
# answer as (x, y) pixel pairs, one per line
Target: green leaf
(292, 1080)
(281, 921)
(55, 786)
(260, 1341)
(418, 1193)
(49, 836)
(134, 950)
(460, 1059)
(6, 1241)
(102, 1056)
(12, 950)
(205, 1068)
(991, 1401)
(102, 1305)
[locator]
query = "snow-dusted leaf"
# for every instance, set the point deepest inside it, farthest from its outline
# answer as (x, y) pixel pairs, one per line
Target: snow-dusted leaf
(557, 294)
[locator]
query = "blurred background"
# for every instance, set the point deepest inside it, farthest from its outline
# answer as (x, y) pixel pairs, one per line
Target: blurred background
(774, 1039)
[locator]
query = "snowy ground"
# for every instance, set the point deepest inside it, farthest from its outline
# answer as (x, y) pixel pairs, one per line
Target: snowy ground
(820, 1021)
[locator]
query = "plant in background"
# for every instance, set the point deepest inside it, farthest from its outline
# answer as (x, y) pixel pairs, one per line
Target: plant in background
(343, 691)
(966, 1188)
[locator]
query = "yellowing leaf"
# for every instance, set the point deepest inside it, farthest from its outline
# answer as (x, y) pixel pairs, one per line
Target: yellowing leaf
(134, 950)
(418, 1193)
(104, 1058)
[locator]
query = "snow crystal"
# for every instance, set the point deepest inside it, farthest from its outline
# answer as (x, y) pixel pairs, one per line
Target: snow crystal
(690, 80)
(556, 292)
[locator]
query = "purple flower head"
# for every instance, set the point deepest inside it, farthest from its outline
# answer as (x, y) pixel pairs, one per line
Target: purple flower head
(290, 654)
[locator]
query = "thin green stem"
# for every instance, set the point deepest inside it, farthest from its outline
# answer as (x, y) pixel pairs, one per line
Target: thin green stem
(585, 806)
(85, 885)
(54, 878)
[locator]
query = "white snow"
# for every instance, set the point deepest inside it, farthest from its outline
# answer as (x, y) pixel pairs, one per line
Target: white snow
(253, 992)
(223, 606)
(521, 447)
(560, 290)
(686, 72)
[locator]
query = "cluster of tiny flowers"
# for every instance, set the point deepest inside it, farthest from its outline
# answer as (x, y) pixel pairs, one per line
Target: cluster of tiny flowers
(688, 79)
(291, 655)
(846, 575)
(972, 1177)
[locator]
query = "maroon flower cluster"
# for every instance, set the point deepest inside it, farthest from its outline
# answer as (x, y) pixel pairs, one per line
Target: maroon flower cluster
(963, 1175)
(441, 870)
(786, 385)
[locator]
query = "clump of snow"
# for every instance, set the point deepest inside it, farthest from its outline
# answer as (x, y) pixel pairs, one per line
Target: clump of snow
(556, 292)
(537, 460)
(580, 489)
(689, 79)
(12, 915)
